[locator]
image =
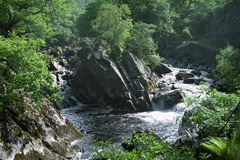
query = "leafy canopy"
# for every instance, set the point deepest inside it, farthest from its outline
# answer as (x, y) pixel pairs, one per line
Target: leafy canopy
(36, 19)
(24, 73)
(146, 146)
(113, 24)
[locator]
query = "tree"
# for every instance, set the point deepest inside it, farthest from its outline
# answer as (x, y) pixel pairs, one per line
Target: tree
(113, 25)
(140, 42)
(83, 23)
(229, 66)
(33, 18)
(24, 73)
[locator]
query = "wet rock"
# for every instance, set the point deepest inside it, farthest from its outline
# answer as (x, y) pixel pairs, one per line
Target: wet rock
(196, 72)
(27, 133)
(63, 62)
(183, 75)
(199, 80)
(161, 69)
(189, 80)
(189, 132)
(166, 100)
(220, 85)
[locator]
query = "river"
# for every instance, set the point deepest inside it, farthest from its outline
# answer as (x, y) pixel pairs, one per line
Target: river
(97, 125)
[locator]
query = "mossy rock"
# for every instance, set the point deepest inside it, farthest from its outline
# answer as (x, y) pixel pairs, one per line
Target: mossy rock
(17, 132)
(151, 85)
(74, 130)
(5, 147)
(31, 156)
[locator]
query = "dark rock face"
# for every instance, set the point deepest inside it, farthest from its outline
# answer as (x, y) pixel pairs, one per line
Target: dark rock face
(161, 69)
(26, 133)
(123, 86)
(63, 68)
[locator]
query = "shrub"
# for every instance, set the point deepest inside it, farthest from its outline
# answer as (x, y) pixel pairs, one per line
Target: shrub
(146, 147)
(24, 73)
(212, 112)
(229, 66)
(223, 147)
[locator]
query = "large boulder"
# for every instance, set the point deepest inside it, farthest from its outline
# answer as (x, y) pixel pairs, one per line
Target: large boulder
(124, 86)
(189, 80)
(196, 72)
(161, 69)
(183, 75)
(166, 100)
(29, 133)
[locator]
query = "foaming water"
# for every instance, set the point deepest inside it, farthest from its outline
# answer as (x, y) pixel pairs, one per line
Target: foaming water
(114, 127)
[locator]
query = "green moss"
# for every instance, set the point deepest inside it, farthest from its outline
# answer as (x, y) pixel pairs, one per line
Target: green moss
(74, 130)
(17, 132)
(5, 147)
(151, 85)
(33, 157)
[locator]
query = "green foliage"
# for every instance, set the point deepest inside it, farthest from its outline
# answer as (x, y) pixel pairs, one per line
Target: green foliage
(212, 112)
(110, 21)
(24, 73)
(229, 66)
(159, 12)
(113, 25)
(83, 23)
(35, 19)
(153, 60)
(140, 42)
(146, 147)
(224, 148)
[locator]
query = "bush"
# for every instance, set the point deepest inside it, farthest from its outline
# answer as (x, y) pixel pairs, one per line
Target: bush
(24, 73)
(229, 66)
(212, 112)
(146, 147)
(224, 148)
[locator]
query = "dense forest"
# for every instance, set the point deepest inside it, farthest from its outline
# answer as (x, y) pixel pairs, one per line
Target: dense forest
(194, 32)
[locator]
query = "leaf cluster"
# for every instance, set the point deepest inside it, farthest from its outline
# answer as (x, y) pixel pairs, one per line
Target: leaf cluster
(23, 72)
(224, 148)
(146, 147)
(229, 66)
(211, 113)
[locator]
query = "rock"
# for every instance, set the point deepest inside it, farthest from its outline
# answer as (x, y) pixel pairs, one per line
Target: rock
(166, 100)
(189, 80)
(56, 51)
(100, 80)
(63, 62)
(183, 75)
(28, 133)
(161, 69)
(189, 132)
(220, 85)
(196, 72)
(199, 80)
